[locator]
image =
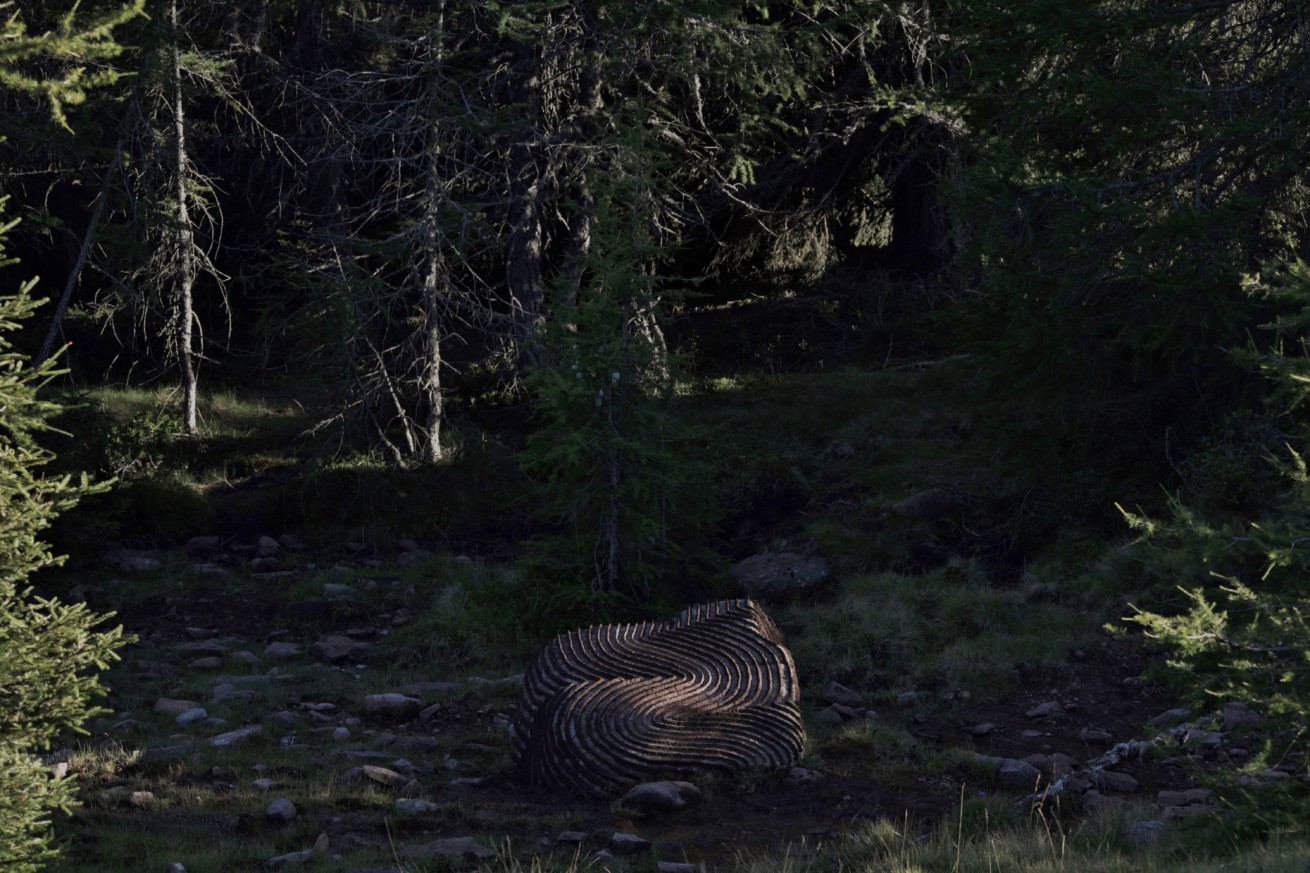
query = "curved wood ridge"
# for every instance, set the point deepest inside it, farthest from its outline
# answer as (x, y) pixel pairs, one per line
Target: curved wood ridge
(609, 706)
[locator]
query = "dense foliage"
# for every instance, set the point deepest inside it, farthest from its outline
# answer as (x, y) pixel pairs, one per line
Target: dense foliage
(409, 211)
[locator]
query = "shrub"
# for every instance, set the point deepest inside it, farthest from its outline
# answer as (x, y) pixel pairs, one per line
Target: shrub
(50, 649)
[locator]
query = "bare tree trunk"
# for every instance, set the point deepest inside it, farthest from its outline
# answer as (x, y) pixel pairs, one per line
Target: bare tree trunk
(57, 320)
(186, 271)
(523, 254)
(429, 382)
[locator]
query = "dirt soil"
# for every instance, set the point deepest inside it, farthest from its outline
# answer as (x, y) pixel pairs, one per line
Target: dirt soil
(1098, 689)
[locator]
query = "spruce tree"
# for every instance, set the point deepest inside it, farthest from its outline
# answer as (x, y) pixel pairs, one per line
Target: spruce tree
(50, 649)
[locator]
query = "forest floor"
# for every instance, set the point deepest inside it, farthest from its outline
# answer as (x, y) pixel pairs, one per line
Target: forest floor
(975, 641)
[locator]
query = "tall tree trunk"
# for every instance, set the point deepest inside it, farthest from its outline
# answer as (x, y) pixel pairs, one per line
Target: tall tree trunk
(429, 382)
(523, 254)
(57, 320)
(186, 270)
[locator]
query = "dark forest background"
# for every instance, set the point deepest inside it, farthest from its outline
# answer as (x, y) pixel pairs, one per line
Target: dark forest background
(480, 274)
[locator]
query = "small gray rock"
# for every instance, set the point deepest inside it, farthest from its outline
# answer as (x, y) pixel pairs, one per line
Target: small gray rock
(657, 797)
(628, 844)
(1092, 735)
(290, 859)
(454, 847)
(1119, 783)
(235, 736)
(175, 867)
(1186, 797)
(281, 811)
(835, 692)
(397, 707)
(282, 650)
(1238, 715)
(415, 806)
(1018, 774)
(384, 776)
(1043, 710)
(173, 707)
(191, 715)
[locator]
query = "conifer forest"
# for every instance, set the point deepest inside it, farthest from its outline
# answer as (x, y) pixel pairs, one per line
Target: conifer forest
(351, 350)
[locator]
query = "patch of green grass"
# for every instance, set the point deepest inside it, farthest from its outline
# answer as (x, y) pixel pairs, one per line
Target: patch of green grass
(946, 630)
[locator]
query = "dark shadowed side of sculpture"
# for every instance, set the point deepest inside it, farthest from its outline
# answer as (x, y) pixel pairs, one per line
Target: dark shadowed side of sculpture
(609, 706)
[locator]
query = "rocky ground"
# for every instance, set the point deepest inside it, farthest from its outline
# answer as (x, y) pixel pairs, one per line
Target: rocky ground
(280, 721)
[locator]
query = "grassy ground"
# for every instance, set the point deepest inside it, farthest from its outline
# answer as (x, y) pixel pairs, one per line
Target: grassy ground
(965, 613)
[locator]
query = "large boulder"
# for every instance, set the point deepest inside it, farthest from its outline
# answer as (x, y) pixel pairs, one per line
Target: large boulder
(773, 576)
(614, 705)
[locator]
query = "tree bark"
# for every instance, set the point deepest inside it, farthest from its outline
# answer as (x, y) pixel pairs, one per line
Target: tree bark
(57, 320)
(186, 271)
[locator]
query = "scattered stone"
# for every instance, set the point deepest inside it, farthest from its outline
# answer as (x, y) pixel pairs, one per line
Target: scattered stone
(572, 838)
(203, 543)
(1186, 797)
(340, 735)
(676, 867)
(1043, 710)
(264, 784)
(430, 689)
(622, 844)
(339, 590)
(282, 650)
(829, 715)
(798, 776)
(771, 576)
(1203, 739)
(335, 647)
(384, 776)
(1095, 801)
(1119, 783)
(208, 662)
(909, 698)
(174, 707)
(290, 859)
(414, 806)
(405, 544)
(291, 542)
(164, 753)
(985, 729)
(235, 736)
(835, 692)
(927, 505)
(198, 633)
(176, 867)
(397, 707)
(188, 716)
(1018, 774)
(245, 656)
(454, 847)
(1170, 718)
(657, 797)
(1238, 715)
(410, 558)
(281, 811)
(132, 561)
(202, 649)
(267, 547)
(1093, 735)
(126, 727)
(283, 720)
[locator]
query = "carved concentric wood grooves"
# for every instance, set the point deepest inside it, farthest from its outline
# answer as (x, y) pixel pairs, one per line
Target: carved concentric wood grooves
(609, 706)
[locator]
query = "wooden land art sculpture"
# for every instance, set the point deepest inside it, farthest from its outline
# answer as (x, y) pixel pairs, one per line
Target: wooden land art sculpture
(613, 705)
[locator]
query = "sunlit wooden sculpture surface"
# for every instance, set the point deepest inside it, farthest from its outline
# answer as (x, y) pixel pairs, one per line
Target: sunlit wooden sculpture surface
(609, 706)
